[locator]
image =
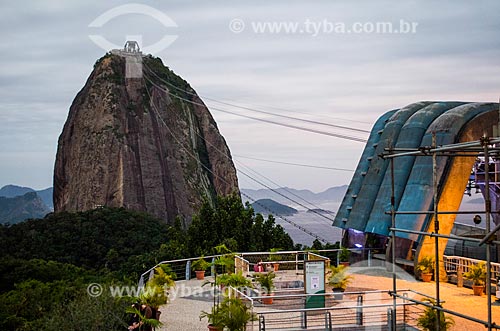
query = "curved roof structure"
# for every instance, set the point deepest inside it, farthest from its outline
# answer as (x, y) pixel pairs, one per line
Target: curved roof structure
(368, 197)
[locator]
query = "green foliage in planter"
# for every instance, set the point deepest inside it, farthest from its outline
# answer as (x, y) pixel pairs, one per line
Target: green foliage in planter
(338, 277)
(427, 321)
(477, 273)
(226, 260)
(266, 281)
(200, 265)
(236, 314)
(215, 317)
(153, 322)
(426, 264)
(344, 254)
(236, 280)
(156, 290)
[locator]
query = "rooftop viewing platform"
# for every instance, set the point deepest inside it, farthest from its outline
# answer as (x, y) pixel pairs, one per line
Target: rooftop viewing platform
(368, 300)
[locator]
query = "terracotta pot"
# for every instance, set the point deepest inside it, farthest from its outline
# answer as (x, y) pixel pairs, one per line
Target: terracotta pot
(345, 264)
(268, 300)
(214, 328)
(276, 266)
(200, 274)
(478, 289)
(426, 277)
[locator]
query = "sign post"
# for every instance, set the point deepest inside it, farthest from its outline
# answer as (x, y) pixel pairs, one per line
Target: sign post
(314, 283)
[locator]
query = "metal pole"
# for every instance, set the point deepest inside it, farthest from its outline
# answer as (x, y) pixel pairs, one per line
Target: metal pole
(404, 310)
(432, 234)
(485, 141)
(393, 245)
(296, 263)
(359, 311)
(436, 228)
(390, 319)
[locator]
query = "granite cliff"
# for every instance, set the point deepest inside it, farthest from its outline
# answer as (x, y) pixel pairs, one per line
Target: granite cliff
(146, 143)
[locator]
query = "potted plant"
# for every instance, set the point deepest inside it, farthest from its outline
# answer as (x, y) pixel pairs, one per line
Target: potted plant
(155, 291)
(225, 260)
(236, 280)
(477, 273)
(427, 321)
(273, 257)
(154, 294)
(338, 279)
(236, 314)
(344, 255)
(266, 281)
(215, 318)
(426, 268)
(199, 266)
(144, 318)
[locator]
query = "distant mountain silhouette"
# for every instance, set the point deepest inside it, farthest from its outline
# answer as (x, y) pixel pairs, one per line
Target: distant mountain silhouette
(17, 209)
(268, 206)
(10, 191)
(16, 205)
(46, 196)
(333, 194)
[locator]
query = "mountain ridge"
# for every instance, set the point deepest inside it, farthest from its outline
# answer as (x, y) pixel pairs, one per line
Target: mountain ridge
(19, 208)
(13, 190)
(332, 194)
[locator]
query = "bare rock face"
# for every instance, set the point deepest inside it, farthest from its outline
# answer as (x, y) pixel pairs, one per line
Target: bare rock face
(148, 144)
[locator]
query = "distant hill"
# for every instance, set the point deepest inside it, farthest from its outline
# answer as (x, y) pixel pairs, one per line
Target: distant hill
(333, 194)
(17, 209)
(268, 206)
(46, 196)
(10, 191)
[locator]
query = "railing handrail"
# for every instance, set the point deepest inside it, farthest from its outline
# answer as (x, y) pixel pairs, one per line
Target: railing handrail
(245, 254)
(298, 310)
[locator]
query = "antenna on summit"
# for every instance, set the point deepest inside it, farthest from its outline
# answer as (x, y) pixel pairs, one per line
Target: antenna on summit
(131, 46)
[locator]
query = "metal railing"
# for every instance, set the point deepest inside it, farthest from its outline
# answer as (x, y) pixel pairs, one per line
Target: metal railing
(357, 310)
(244, 262)
(456, 264)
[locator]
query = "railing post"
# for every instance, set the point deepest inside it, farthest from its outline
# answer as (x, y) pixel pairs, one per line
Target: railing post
(369, 258)
(460, 276)
(390, 317)
(212, 268)
(188, 270)
(262, 323)
(304, 320)
(404, 309)
(296, 263)
(328, 321)
(359, 311)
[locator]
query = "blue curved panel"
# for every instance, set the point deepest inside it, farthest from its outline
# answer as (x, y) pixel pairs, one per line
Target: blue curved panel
(410, 137)
(418, 193)
(361, 169)
(367, 194)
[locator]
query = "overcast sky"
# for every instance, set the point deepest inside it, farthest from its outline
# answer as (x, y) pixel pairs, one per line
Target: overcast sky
(337, 77)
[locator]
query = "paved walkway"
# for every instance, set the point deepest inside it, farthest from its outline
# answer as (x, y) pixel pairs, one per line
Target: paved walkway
(189, 299)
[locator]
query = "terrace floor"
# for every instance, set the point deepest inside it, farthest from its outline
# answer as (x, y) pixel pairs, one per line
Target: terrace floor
(190, 298)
